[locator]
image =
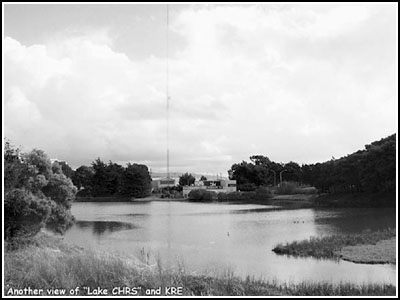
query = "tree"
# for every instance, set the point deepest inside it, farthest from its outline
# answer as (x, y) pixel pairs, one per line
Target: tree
(34, 196)
(112, 179)
(25, 213)
(293, 171)
(83, 180)
(66, 169)
(260, 160)
(186, 179)
(106, 178)
(114, 172)
(250, 176)
(370, 170)
(203, 178)
(16, 172)
(60, 189)
(135, 181)
(40, 161)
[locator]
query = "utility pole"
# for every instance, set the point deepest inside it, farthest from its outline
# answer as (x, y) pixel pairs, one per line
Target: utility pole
(167, 89)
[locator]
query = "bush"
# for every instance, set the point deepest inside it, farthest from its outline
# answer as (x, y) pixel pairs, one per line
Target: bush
(234, 196)
(261, 193)
(287, 188)
(35, 195)
(247, 187)
(25, 213)
(60, 189)
(60, 218)
(202, 195)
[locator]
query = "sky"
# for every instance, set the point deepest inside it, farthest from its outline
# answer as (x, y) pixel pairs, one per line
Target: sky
(294, 82)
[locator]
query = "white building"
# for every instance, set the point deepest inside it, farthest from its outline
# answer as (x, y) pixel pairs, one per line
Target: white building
(218, 186)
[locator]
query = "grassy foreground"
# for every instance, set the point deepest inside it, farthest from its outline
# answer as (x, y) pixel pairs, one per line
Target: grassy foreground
(366, 247)
(49, 263)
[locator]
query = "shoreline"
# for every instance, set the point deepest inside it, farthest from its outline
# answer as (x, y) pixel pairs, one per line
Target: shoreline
(290, 201)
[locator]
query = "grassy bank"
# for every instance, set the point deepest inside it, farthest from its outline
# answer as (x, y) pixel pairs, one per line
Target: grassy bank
(337, 246)
(49, 263)
(382, 253)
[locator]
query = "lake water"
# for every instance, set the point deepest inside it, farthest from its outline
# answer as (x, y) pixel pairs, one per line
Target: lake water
(214, 238)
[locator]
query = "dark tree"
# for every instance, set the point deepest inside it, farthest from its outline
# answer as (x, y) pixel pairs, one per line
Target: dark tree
(293, 172)
(106, 178)
(371, 170)
(249, 176)
(135, 181)
(99, 178)
(186, 179)
(260, 160)
(83, 180)
(114, 173)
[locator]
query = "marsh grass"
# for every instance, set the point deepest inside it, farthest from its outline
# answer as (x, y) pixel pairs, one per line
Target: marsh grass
(383, 252)
(330, 246)
(55, 264)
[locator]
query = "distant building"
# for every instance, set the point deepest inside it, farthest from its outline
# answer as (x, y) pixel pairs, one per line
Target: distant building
(159, 183)
(53, 160)
(218, 186)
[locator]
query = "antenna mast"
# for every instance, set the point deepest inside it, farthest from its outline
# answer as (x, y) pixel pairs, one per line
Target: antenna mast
(167, 88)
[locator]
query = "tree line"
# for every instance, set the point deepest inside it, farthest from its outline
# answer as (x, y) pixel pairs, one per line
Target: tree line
(105, 180)
(371, 170)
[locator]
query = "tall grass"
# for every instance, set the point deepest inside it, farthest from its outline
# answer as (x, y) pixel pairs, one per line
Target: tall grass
(330, 246)
(49, 266)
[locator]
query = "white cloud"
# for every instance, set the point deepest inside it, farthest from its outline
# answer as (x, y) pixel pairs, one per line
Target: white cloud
(294, 82)
(21, 111)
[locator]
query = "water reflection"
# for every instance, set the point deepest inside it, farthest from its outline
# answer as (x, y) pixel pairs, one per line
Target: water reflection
(344, 220)
(233, 211)
(101, 227)
(197, 234)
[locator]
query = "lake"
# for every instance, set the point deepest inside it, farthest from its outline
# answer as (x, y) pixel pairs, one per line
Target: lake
(216, 238)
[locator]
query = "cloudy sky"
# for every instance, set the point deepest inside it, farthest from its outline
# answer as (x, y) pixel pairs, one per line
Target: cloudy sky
(293, 82)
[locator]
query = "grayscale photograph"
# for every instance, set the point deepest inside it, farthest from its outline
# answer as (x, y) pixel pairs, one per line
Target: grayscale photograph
(199, 149)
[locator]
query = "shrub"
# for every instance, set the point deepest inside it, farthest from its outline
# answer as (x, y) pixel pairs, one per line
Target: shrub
(287, 188)
(202, 195)
(306, 190)
(262, 193)
(25, 213)
(247, 187)
(34, 196)
(234, 196)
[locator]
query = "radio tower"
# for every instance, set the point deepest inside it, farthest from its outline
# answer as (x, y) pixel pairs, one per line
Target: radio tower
(168, 97)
